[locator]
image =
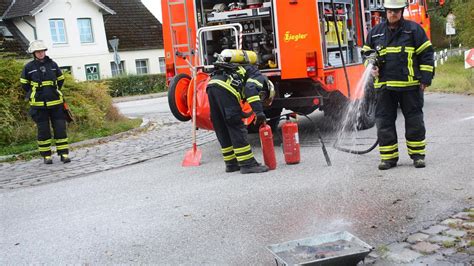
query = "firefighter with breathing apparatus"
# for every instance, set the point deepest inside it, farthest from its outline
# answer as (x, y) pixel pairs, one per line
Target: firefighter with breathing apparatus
(235, 78)
(42, 81)
(404, 68)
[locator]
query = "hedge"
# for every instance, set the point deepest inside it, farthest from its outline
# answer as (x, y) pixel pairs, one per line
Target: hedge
(136, 84)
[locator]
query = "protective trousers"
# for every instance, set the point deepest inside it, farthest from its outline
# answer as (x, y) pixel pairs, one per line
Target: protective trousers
(42, 118)
(411, 103)
(226, 116)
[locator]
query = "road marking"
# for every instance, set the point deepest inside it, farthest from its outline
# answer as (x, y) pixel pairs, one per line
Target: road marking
(467, 118)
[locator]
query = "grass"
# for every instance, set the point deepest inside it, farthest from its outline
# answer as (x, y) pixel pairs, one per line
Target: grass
(449, 244)
(74, 135)
(452, 77)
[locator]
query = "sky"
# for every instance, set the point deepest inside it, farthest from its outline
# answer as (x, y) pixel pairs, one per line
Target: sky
(154, 6)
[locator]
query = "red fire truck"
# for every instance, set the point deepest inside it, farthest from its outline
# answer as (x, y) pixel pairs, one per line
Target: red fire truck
(309, 49)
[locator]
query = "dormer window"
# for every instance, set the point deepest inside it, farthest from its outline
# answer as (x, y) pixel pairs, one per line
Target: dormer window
(85, 30)
(58, 31)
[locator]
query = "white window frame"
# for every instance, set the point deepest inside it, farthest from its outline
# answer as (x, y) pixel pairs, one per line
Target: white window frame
(162, 62)
(91, 30)
(55, 31)
(140, 68)
(117, 71)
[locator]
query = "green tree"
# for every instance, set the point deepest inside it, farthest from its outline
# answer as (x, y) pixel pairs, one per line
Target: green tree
(464, 12)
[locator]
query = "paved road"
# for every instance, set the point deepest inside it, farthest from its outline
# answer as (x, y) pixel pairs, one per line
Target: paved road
(158, 212)
(145, 108)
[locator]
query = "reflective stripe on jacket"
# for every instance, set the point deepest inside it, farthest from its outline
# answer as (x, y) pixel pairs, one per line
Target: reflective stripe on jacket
(405, 55)
(244, 86)
(42, 81)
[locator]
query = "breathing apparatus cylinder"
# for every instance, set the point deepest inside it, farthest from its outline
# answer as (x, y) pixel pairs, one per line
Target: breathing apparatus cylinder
(268, 150)
(239, 56)
(291, 142)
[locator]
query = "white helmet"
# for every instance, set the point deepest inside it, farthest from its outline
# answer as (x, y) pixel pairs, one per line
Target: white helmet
(394, 4)
(37, 45)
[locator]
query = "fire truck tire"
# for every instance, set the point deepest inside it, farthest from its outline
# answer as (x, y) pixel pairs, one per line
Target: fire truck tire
(177, 97)
(366, 118)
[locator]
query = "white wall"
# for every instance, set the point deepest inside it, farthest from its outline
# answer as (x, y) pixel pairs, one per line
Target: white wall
(75, 54)
(129, 58)
(70, 11)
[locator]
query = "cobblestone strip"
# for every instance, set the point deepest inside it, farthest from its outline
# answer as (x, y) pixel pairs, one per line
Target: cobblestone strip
(451, 242)
(167, 137)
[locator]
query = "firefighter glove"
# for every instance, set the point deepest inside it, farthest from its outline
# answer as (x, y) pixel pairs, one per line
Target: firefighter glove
(260, 118)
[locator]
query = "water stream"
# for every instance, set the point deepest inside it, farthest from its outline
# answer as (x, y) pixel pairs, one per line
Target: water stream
(347, 131)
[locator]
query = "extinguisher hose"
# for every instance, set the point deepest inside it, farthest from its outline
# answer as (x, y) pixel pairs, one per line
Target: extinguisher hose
(323, 146)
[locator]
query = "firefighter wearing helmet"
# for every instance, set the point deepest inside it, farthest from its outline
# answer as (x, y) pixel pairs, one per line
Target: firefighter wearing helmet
(233, 80)
(42, 81)
(405, 68)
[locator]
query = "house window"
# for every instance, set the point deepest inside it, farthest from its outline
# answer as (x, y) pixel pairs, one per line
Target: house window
(162, 64)
(85, 30)
(58, 31)
(142, 66)
(117, 70)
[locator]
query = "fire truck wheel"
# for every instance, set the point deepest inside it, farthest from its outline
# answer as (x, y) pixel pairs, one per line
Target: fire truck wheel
(177, 97)
(366, 117)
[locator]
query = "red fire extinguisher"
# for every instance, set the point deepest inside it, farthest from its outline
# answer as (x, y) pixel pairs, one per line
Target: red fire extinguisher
(291, 142)
(268, 150)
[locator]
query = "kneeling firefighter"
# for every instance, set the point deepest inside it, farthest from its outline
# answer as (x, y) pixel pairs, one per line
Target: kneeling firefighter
(42, 80)
(230, 83)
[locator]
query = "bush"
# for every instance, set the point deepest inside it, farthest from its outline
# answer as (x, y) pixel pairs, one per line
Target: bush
(13, 108)
(136, 84)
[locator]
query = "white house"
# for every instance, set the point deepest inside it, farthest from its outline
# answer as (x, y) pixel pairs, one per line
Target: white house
(78, 32)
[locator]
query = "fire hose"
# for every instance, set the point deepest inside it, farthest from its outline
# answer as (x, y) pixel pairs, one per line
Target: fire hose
(372, 56)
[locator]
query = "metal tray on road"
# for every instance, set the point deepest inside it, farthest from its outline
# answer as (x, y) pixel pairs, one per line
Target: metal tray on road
(339, 248)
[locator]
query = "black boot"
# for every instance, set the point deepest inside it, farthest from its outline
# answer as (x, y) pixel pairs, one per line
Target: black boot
(419, 163)
(253, 168)
(385, 165)
(229, 168)
(48, 160)
(65, 158)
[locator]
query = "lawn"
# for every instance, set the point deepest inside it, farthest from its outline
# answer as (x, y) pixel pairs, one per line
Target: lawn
(452, 77)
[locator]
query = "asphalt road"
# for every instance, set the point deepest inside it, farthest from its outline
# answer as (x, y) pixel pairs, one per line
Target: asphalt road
(144, 108)
(159, 212)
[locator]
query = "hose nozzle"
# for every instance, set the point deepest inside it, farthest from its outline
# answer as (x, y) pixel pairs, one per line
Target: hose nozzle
(371, 57)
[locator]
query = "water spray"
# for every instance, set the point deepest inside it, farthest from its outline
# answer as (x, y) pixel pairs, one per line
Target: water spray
(372, 59)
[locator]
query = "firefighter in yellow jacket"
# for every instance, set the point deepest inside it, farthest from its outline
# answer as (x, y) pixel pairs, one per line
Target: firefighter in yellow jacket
(405, 69)
(42, 81)
(230, 83)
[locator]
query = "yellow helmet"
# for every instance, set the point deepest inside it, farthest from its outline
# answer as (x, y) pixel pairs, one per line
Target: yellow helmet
(37, 45)
(395, 4)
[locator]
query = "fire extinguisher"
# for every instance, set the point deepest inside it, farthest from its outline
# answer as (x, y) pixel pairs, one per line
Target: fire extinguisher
(268, 150)
(291, 142)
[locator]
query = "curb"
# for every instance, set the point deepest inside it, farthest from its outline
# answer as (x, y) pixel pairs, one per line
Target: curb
(146, 124)
(139, 97)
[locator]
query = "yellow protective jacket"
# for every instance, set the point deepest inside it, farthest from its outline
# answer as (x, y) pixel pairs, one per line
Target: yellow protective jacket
(42, 82)
(244, 82)
(405, 55)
